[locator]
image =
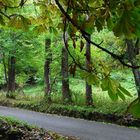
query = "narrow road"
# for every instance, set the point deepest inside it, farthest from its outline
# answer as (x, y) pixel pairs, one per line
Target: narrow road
(85, 130)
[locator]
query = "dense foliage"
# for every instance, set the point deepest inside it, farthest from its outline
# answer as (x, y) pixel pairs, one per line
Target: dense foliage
(111, 27)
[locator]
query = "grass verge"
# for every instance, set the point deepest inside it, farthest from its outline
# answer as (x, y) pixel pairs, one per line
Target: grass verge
(11, 129)
(73, 111)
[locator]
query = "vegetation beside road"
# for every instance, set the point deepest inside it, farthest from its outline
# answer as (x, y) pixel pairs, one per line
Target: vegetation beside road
(32, 98)
(12, 129)
(70, 57)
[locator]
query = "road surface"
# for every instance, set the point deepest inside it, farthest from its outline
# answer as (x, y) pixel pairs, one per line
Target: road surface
(85, 130)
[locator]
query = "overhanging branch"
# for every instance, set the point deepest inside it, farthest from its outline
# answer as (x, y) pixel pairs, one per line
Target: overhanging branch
(66, 44)
(85, 34)
(21, 4)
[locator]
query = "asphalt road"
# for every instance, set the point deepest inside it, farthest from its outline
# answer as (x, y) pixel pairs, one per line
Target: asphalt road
(85, 130)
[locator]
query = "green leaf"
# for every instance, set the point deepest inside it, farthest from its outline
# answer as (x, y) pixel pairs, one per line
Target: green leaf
(2, 20)
(89, 29)
(53, 30)
(110, 23)
(104, 84)
(135, 110)
(39, 29)
(92, 79)
(112, 95)
(89, 25)
(128, 24)
(120, 94)
(99, 24)
(113, 85)
(127, 93)
(19, 22)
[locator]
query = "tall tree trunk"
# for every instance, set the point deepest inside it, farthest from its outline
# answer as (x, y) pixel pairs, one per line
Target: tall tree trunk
(65, 74)
(89, 100)
(47, 82)
(136, 74)
(133, 51)
(5, 69)
(11, 74)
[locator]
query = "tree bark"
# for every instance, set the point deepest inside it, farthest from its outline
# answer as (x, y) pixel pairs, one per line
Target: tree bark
(133, 51)
(47, 81)
(65, 74)
(89, 99)
(5, 69)
(136, 74)
(11, 74)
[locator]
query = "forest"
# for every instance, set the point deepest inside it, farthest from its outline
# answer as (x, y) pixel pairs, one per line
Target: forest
(77, 58)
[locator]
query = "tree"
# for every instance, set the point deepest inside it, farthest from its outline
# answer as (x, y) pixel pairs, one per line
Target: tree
(64, 71)
(11, 74)
(11, 85)
(5, 68)
(89, 100)
(97, 20)
(48, 57)
(133, 50)
(11, 64)
(18, 51)
(121, 17)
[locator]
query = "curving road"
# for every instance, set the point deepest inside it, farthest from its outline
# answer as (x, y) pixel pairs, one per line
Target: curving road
(85, 130)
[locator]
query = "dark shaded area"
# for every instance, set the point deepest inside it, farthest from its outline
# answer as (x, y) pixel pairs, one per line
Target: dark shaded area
(4, 86)
(15, 131)
(31, 72)
(127, 120)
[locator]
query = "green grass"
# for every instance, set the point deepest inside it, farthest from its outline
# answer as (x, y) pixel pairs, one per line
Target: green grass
(102, 102)
(17, 122)
(12, 121)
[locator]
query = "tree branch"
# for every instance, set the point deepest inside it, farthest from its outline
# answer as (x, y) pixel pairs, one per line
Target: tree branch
(22, 2)
(2, 13)
(66, 44)
(85, 34)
